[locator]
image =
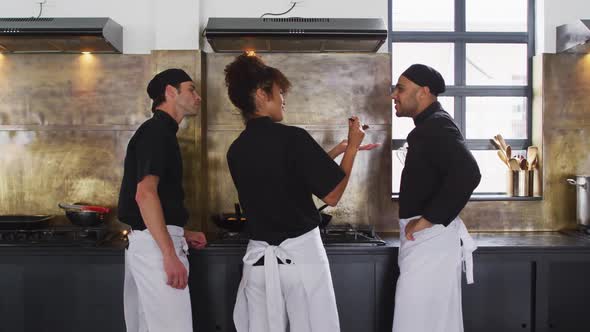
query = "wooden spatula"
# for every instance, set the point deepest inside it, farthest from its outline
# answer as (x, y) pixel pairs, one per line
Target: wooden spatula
(532, 153)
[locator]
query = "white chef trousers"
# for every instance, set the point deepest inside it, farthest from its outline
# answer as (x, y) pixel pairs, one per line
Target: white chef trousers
(150, 304)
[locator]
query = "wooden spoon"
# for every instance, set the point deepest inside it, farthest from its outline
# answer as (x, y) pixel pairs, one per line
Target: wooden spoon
(503, 157)
(514, 164)
(524, 164)
(535, 163)
(502, 141)
(531, 154)
(496, 143)
(508, 151)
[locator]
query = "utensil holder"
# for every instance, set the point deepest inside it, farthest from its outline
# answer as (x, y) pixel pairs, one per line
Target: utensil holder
(521, 183)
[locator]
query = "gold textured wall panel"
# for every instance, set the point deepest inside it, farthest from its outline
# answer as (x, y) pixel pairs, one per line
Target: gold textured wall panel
(326, 90)
(66, 120)
(566, 132)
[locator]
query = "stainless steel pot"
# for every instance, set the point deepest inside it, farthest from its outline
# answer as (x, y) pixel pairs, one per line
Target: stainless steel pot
(582, 183)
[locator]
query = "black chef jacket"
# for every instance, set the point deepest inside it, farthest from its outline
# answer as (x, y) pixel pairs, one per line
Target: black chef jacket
(276, 169)
(154, 150)
(440, 172)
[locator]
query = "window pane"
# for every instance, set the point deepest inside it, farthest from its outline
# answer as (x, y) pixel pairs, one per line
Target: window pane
(401, 127)
(439, 56)
(497, 16)
(488, 116)
(423, 15)
(397, 163)
(496, 64)
(493, 171)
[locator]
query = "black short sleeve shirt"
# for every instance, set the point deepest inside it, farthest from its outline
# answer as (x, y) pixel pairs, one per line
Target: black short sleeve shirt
(276, 169)
(154, 150)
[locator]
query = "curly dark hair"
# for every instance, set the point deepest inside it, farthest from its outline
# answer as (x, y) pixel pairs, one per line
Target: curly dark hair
(245, 75)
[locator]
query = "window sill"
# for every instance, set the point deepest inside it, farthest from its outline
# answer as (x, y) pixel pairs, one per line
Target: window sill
(490, 197)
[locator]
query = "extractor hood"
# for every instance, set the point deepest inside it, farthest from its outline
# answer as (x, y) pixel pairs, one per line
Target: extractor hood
(574, 37)
(60, 35)
(295, 34)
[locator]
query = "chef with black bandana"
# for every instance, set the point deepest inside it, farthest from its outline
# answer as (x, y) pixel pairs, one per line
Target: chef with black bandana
(438, 178)
(156, 295)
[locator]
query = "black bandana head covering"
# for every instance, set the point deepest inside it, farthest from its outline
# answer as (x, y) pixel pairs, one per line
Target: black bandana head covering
(423, 75)
(173, 76)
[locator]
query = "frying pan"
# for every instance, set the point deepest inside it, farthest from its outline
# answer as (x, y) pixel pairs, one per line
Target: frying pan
(84, 215)
(233, 222)
(20, 221)
(236, 222)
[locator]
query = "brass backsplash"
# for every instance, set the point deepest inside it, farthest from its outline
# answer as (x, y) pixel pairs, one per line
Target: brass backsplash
(65, 121)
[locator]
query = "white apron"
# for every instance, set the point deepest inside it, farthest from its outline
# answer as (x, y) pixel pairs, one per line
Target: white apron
(298, 294)
(428, 293)
(150, 304)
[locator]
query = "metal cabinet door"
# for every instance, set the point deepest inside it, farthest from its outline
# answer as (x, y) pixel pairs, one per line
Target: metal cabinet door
(501, 297)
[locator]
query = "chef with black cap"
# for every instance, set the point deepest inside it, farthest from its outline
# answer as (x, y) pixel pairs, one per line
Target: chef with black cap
(156, 296)
(438, 178)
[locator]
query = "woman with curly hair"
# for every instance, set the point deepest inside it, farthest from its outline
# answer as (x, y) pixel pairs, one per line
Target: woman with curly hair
(286, 282)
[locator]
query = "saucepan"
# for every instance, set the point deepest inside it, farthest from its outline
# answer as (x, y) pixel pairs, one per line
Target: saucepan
(582, 183)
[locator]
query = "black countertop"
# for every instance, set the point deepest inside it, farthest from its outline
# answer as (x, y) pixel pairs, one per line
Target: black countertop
(108, 249)
(486, 241)
(517, 240)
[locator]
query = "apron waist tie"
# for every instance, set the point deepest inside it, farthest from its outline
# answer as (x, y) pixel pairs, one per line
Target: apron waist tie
(275, 303)
(467, 250)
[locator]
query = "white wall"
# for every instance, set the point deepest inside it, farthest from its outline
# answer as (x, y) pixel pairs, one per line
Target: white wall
(558, 12)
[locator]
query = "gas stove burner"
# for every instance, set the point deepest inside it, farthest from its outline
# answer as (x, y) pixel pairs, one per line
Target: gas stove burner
(582, 232)
(347, 234)
(53, 236)
(332, 236)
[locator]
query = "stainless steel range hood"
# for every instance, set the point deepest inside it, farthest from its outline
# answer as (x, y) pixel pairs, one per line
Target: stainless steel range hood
(574, 37)
(295, 34)
(60, 35)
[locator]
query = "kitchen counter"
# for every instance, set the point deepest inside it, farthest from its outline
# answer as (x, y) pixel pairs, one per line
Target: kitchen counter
(107, 249)
(528, 278)
(486, 241)
(524, 281)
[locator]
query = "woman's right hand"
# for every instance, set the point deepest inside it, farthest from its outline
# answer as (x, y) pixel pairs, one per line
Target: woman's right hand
(356, 134)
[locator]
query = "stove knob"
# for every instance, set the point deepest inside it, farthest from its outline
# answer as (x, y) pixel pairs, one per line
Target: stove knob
(9, 236)
(21, 236)
(35, 236)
